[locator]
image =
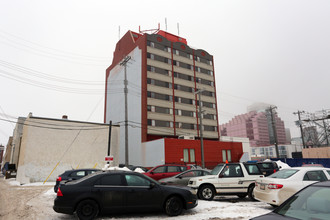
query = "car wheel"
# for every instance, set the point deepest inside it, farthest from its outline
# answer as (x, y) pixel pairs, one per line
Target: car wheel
(87, 209)
(206, 192)
(251, 193)
(173, 206)
(242, 196)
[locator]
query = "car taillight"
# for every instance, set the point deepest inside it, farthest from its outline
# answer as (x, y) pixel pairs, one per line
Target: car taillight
(274, 171)
(274, 186)
(59, 192)
(59, 179)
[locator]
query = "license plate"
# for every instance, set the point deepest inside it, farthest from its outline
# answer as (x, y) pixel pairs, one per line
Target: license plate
(262, 187)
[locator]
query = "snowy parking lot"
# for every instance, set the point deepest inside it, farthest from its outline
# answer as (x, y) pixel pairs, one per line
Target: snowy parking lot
(35, 201)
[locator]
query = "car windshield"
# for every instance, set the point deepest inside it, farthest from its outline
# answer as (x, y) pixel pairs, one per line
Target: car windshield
(311, 203)
(216, 169)
(284, 174)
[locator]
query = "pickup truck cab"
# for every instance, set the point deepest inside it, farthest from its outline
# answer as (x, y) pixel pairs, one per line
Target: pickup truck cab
(227, 179)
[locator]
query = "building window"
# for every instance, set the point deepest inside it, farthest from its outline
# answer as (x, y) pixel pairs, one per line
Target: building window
(189, 155)
(210, 128)
(226, 155)
(185, 155)
(187, 126)
(162, 110)
(150, 44)
(262, 151)
(159, 96)
(159, 123)
(192, 155)
(187, 113)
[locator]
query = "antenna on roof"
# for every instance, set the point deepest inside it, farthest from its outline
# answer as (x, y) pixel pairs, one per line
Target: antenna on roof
(119, 32)
(165, 24)
(178, 30)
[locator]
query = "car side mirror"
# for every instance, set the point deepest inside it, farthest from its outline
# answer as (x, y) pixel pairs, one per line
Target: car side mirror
(152, 185)
(180, 177)
(221, 175)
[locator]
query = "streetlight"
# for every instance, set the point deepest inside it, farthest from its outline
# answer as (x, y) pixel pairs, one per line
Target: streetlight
(200, 125)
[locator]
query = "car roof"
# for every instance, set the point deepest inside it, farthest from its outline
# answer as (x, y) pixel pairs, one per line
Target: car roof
(307, 168)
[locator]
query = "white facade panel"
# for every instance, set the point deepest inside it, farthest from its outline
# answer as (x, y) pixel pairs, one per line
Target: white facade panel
(116, 105)
(154, 153)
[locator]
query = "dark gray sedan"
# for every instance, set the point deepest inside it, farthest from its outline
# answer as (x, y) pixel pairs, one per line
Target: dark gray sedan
(184, 177)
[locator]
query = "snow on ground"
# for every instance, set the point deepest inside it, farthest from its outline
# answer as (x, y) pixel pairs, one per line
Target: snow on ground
(221, 208)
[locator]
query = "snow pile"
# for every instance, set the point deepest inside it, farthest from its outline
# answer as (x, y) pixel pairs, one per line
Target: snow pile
(109, 167)
(139, 170)
(282, 165)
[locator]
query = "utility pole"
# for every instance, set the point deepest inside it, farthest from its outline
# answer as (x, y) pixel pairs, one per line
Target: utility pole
(109, 139)
(300, 125)
(124, 63)
(274, 129)
(201, 126)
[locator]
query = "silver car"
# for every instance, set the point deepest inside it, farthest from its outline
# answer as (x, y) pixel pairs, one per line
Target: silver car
(184, 177)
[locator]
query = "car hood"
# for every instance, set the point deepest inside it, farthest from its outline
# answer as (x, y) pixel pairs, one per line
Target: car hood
(204, 177)
(176, 187)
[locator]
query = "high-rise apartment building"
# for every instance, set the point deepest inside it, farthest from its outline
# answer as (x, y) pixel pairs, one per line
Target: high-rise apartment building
(257, 126)
(164, 80)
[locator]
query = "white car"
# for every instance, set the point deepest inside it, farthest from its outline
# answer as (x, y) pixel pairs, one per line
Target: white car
(278, 187)
(227, 179)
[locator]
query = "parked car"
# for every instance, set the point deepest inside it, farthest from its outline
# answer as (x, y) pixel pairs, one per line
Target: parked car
(167, 170)
(73, 175)
(227, 179)
(268, 167)
(312, 202)
(184, 177)
(312, 165)
(119, 191)
(278, 187)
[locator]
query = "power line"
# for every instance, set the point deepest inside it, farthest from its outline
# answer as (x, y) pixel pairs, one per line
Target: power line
(60, 51)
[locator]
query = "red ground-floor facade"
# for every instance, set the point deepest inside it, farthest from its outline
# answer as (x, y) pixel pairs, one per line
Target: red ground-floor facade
(189, 151)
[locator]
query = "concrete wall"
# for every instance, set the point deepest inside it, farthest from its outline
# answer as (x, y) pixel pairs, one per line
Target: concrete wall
(58, 145)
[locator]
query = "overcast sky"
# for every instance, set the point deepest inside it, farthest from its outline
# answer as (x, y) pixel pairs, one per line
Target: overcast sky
(53, 54)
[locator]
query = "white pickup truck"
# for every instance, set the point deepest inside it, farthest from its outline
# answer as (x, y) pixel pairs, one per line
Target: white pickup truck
(227, 179)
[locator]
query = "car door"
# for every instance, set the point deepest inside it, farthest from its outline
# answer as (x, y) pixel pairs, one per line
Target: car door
(314, 176)
(184, 178)
(158, 173)
(142, 194)
(231, 179)
(173, 170)
(110, 191)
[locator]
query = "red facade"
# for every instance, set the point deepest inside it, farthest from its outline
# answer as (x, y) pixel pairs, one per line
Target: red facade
(212, 151)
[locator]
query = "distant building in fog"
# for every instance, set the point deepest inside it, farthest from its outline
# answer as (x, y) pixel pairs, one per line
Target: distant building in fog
(257, 126)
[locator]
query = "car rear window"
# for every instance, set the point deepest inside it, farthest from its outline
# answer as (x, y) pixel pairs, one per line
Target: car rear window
(252, 169)
(284, 174)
